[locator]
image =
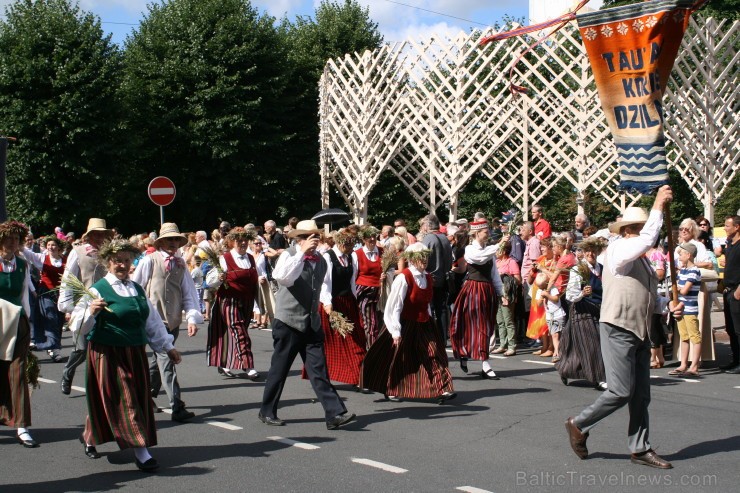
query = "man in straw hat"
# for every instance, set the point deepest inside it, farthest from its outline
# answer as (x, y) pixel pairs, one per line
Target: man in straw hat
(630, 297)
(82, 263)
(170, 288)
(300, 272)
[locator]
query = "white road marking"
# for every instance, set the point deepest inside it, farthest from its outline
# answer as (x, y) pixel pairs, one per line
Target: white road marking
(472, 489)
(690, 380)
(167, 411)
(225, 426)
(78, 389)
(46, 380)
(549, 363)
(379, 465)
(733, 387)
(288, 441)
(74, 387)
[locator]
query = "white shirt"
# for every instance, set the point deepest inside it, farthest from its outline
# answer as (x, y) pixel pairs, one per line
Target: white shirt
(159, 339)
(394, 305)
(326, 286)
(574, 291)
(241, 261)
(9, 267)
(38, 259)
(289, 267)
(143, 274)
(478, 255)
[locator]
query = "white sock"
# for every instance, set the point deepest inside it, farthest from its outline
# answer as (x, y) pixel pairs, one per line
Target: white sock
(251, 372)
(142, 454)
(22, 432)
(486, 366)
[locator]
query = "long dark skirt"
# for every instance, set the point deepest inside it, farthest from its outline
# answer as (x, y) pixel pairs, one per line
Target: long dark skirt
(119, 406)
(15, 401)
(580, 348)
(229, 345)
(49, 319)
(416, 369)
(473, 320)
(368, 298)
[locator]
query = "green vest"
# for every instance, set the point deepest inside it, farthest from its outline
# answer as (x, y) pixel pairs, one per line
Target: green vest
(125, 326)
(11, 283)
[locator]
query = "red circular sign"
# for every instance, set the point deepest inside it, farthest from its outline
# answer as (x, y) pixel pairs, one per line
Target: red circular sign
(161, 191)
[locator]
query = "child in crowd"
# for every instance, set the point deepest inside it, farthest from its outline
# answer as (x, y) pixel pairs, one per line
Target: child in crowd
(689, 283)
(197, 275)
(554, 313)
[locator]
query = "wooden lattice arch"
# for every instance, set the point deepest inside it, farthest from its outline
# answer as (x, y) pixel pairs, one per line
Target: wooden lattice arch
(436, 113)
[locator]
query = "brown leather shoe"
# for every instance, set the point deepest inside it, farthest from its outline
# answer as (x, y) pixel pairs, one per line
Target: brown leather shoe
(650, 458)
(577, 439)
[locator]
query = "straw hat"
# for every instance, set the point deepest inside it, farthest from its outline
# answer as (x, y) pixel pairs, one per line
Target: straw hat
(170, 230)
(305, 228)
(632, 215)
(97, 224)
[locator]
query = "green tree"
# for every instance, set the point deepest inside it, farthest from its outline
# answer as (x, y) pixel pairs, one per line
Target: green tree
(204, 87)
(58, 79)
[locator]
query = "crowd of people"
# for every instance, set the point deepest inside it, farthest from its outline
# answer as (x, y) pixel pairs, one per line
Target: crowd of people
(372, 308)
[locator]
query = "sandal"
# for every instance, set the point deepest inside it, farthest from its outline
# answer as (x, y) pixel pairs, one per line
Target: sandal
(691, 374)
(676, 372)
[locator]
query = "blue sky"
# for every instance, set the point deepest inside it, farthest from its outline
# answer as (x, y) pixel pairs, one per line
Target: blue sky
(396, 22)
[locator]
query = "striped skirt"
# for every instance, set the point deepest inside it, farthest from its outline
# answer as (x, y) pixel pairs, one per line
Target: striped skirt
(416, 369)
(344, 355)
(229, 345)
(15, 401)
(119, 406)
(580, 348)
(368, 298)
(473, 320)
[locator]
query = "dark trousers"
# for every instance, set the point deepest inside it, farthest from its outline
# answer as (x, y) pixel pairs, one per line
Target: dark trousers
(76, 357)
(441, 310)
(732, 324)
(287, 343)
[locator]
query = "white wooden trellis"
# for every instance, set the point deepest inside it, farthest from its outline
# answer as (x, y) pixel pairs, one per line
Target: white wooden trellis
(436, 113)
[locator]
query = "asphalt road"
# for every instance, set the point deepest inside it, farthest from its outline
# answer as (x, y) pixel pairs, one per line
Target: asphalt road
(497, 436)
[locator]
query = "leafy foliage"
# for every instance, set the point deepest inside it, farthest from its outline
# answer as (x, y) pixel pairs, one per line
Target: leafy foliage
(58, 79)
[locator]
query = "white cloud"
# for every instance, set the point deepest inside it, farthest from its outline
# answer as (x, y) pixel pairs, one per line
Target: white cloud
(439, 31)
(129, 6)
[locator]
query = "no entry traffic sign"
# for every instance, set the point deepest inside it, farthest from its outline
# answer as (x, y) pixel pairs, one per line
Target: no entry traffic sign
(161, 191)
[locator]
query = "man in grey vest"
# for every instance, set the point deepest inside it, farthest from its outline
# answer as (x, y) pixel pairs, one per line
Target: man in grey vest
(629, 301)
(168, 285)
(82, 263)
(299, 272)
(440, 264)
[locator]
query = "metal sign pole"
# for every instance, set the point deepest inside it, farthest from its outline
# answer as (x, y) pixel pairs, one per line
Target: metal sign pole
(161, 215)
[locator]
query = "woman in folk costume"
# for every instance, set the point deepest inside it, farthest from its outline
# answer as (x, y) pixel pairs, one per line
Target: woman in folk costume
(118, 321)
(15, 333)
(409, 360)
(474, 314)
(580, 347)
(229, 346)
(344, 354)
(368, 275)
(51, 264)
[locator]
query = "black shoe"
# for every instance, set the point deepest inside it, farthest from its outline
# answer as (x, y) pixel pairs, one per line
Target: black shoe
(29, 443)
(90, 450)
(154, 393)
(340, 420)
(489, 374)
(66, 386)
(270, 421)
(564, 380)
(734, 371)
(149, 466)
(182, 415)
(392, 398)
(729, 366)
(464, 366)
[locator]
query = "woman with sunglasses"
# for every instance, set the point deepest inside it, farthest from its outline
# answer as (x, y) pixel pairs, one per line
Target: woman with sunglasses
(688, 232)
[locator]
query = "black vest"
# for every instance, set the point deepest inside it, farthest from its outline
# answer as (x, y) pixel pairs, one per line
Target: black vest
(341, 277)
(481, 272)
